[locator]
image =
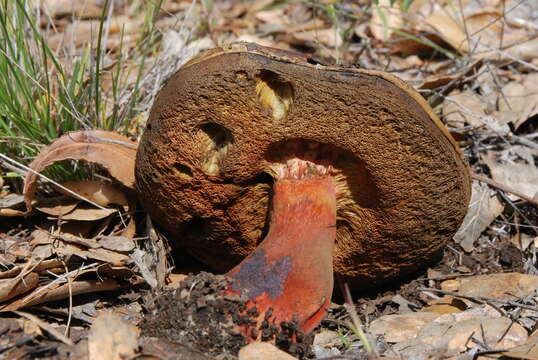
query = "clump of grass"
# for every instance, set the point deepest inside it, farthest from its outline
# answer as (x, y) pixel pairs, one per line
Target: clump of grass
(44, 94)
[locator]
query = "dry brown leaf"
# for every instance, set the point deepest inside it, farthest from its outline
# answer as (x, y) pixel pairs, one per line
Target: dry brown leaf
(385, 17)
(457, 334)
(274, 16)
(507, 286)
(108, 256)
(11, 200)
(483, 209)
(76, 8)
(445, 305)
(39, 266)
(29, 327)
(41, 237)
(78, 228)
(13, 212)
(13, 249)
(84, 32)
(519, 100)
(528, 351)
(42, 252)
(84, 213)
(263, 351)
(328, 37)
(96, 191)
(60, 292)
(130, 230)
(116, 153)
(518, 175)
(487, 29)
(462, 108)
(116, 243)
(73, 239)
(400, 327)
(112, 338)
(57, 206)
(9, 288)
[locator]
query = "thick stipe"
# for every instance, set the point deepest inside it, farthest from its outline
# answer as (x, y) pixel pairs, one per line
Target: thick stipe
(289, 277)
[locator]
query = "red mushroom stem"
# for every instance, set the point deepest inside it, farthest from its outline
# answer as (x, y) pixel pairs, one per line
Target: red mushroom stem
(289, 277)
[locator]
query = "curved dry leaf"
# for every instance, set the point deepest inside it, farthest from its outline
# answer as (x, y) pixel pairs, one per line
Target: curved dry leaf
(10, 200)
(88, 214)
(529, 350)
(62, 291)
(117, 243)
(115, 152)
(521, 176)
(104, 255)
(520, 100)
(459, 335)
(400, 327)
(130, 230)
(11, 212)
(9, 288)
(36, 266)
(483, 209)
(96, 191)
(385, 17)
(507, 286)
(57, 206)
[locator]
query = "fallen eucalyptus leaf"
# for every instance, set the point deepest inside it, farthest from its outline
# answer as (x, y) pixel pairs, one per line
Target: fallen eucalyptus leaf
(112, 338)
(483, 209)
(9, 288)
(57, 206)
(96, 191)
(520, 176)
(114, 152)
(400, 327)
(117, 243)
(83, 213)
(507, 286)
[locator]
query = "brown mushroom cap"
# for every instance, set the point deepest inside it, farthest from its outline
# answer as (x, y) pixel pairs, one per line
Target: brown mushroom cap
(224, 119)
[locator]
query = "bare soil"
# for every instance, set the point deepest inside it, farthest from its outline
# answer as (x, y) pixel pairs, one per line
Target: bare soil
(200, 313)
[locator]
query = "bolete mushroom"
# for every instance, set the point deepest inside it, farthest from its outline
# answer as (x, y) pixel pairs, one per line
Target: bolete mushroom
(333, 168)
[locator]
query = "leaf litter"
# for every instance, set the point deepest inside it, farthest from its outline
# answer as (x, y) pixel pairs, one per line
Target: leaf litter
(475, 62)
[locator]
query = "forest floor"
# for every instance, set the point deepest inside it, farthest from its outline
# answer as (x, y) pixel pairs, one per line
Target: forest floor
(68, 266)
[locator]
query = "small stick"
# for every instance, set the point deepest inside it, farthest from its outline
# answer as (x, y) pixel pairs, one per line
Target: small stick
(482, 298)
(503, 187)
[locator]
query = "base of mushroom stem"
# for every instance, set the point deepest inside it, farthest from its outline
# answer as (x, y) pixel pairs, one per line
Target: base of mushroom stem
(264, 326)
(288, 279)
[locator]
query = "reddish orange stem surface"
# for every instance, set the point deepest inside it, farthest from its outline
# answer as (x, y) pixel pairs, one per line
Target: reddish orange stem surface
(290, 275)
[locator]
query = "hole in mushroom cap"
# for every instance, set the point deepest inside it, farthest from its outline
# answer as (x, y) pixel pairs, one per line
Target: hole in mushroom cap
(216, 141)
(275, 94)
(182, 171)
(241, 75)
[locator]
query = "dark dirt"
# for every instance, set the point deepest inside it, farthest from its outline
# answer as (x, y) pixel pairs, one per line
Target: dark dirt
(201, 314)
